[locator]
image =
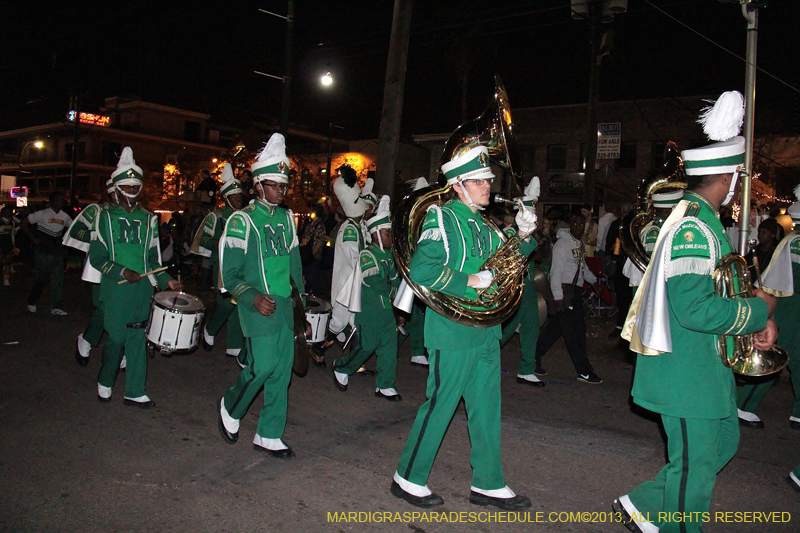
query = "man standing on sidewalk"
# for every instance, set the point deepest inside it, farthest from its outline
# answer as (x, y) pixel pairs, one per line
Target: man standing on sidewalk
(51, 223)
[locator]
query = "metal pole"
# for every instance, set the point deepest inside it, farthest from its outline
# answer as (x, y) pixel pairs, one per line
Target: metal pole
(287, 69)
(330, 149)
(74, 173)
(749, 109)
(590, 156)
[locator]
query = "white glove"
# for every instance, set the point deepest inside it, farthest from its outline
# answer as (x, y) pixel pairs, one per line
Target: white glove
(526, 220)
(486, 278)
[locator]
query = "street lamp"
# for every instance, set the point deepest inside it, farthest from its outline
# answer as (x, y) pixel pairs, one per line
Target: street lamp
(327, 79)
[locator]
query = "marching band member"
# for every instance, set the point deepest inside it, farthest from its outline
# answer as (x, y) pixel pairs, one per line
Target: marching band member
(663, 202)
(377, 327)
(414, 326)
(674, 325)
(79, 237)
(212, 229)
(259, 261)
(350, 241)
(528, 313)
(125, 247)
(464, 361)
(781, 278)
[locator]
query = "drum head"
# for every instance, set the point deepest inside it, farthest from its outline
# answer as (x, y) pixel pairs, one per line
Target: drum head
(317, 305)
(179, 301)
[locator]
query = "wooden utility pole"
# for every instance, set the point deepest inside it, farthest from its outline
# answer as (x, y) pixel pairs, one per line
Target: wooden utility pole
(389, 136)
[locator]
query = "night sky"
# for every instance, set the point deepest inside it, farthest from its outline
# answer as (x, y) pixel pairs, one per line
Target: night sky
(201, 56)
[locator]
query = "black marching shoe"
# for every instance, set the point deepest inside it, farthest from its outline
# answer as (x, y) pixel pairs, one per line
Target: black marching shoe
(82, 361)
(627, 521)
(318, 356)
(286, 453)
(539, 371)
(523, 381)
(390, 397)
(141, 405)
(794, 422)
(229, 437)
(339, 386)
(364, 371)
(516, 503)
(431, 500)
(103, 400)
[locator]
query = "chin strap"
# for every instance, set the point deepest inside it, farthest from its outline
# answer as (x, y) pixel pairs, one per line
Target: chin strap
(732, 188)
(127, 195)
(469, 200)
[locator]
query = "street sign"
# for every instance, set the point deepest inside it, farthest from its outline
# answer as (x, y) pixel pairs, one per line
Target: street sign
(22, 202)
(608, 140)
(18, 192)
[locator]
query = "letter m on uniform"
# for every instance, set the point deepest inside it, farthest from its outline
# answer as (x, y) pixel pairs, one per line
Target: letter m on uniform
(130, 231)
(481, 240)
(275, 241)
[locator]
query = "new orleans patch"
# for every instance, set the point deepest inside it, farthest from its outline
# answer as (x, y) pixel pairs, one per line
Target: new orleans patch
(690, 241)
(236, 228)
(350, 234)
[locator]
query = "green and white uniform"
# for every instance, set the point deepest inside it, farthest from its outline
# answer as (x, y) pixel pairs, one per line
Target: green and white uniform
(377, 329)
(464, 360)
(212, 228)
(79, 236)
(259, 255)
(787, 314)
(526, 317)
(126, 240)
(690, 387)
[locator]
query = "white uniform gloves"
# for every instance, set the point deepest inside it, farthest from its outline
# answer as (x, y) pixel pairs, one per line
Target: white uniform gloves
(486, 278)
(526, 220)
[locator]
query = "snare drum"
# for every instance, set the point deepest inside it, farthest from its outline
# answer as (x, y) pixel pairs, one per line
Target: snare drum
(318, 314)
(175, 322)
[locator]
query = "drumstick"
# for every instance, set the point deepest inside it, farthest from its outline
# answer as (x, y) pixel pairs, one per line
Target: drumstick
(156, 271)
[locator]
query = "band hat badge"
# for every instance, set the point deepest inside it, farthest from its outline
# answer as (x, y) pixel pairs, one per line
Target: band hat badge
(271, 163)
(382, 218)
(230, 185)
(531, 193)
(667, 199)
(127, 172)
(471, 165)
(721, 122)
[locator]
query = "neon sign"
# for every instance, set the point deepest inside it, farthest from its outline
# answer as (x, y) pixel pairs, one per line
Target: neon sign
(89, 118)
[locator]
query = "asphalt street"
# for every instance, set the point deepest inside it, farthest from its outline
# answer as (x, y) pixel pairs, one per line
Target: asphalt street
(69, 463)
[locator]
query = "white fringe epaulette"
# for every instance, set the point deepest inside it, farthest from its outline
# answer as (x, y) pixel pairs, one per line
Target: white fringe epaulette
(691, 265)
(295, 243)
(442, 234)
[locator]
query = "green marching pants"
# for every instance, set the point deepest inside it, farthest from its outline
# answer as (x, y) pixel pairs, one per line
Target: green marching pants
(94, 331)
(125, 315)
(415, 329)
(698, 449)
(528, 316)
(225, 309)
(380, 340)
(473, 374)
(268, 366)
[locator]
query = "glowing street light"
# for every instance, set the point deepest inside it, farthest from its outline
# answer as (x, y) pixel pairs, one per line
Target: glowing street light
(327, 79)
(38, 144)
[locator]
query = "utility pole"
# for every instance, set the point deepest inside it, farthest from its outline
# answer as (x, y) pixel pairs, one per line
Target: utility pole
(590, 152)
(751, 16)
(389, 136)
(286, 79)
(287, 69)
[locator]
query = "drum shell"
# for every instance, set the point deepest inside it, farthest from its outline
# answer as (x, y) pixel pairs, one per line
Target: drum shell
(318, 314)
(175, 331)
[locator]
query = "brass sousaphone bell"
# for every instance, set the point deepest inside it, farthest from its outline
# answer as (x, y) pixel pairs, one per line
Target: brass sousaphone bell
(669, 177)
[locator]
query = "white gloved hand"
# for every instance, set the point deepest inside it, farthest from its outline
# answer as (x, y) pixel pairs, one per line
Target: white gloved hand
(486, 278)
(526, 220)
